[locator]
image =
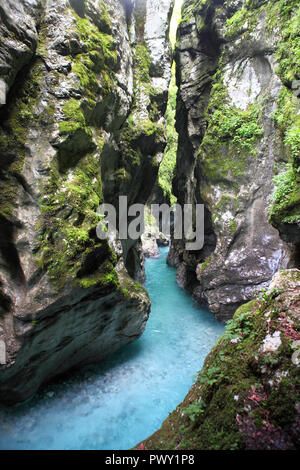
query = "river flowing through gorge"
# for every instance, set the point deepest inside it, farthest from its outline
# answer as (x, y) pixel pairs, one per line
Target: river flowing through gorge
(121, 401)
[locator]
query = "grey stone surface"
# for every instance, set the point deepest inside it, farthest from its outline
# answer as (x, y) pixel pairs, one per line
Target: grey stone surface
(242, 251)
(48, 330)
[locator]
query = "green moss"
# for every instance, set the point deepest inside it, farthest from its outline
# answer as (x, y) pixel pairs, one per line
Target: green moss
(285, 200)
(95, 67)
(225, 201)
(205, 263)
(285, 15)
(96, 41)
(232, 225)
(244, 20)
(126, 293)
(140, 141)
(192, 8)
(231, 132)
(285, 207)
(292, 139)
(79, 137)
(105, 18)
(21, 115)
(74, 118)
(144, 128)
(128, 285)
(287, 120)
(141, 64)
(281, 15)
(167, 166)
(69, 206)
(141, 137)
(105, 277)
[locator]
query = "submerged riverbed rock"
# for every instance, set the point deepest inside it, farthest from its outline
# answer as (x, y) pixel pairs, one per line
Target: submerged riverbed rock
(247, 394)
(83, 124)
(237, 122)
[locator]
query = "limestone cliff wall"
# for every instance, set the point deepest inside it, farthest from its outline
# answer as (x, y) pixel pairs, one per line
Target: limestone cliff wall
(83, 123)
(237, 122)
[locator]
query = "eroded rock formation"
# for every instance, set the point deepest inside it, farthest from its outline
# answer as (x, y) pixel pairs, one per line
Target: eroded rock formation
(236, 118)
(87, 85)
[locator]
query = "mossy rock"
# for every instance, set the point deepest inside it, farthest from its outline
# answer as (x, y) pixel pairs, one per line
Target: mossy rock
(246, 396)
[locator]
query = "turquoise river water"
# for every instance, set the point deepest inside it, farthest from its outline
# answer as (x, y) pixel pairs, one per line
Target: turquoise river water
(123, 400)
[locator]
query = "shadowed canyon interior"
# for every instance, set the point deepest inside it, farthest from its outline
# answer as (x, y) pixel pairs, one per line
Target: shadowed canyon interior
(101, 99)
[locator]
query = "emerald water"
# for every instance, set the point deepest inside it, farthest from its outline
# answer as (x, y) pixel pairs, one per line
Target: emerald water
(123, 400)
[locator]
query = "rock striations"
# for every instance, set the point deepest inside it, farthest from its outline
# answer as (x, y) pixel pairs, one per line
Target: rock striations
(237, 124)
(87, 86)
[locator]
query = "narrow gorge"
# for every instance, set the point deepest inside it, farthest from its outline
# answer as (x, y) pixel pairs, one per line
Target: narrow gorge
(101, 99)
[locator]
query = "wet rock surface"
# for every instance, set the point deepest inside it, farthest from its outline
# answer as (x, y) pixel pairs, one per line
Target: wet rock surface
(83, 123)
(230, 148)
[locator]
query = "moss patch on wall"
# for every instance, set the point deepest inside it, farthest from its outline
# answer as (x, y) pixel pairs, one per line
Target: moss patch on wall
(69, 249)
(167, 166)
(96, 65)
(142, 136)
(231, 136)
(285, 207)
(14, 134)
(67, 228)
(285, 16)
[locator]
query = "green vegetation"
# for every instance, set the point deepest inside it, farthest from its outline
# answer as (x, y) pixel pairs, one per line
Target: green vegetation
(286, 197)
(193, 8)
(175, 20)
(79, 136)
(205, 263)
(287, 119)
(285, 207)
(232, 225)
(106, 277)
(141, 65)
(167, 166)
(14, 134)
(95, 67)
(74, 117)
(142, 136)
(69, 208)
(285, 15)
(231, 132)
(69, 249)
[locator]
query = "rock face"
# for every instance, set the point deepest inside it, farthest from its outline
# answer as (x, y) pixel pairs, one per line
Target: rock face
(19, 37)
(83, 123)
(152, 238)
(237, 123)
(247, 394)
